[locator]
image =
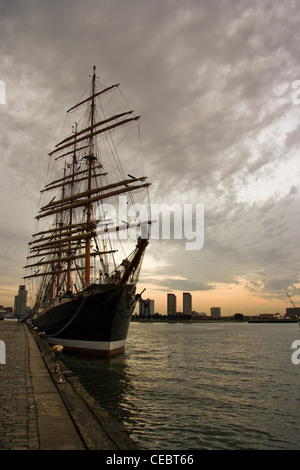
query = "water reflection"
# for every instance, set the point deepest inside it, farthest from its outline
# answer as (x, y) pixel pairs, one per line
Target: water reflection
(108, 381)
(184, 386)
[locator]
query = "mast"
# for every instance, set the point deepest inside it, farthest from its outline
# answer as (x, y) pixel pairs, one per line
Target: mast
(71, 214)
(60, 224)
(89, 204)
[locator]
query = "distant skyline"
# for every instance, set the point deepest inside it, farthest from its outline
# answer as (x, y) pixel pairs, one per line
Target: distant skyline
(202, 303)
(216, 83)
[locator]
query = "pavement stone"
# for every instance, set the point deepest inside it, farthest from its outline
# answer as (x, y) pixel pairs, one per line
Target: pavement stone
(32, 414)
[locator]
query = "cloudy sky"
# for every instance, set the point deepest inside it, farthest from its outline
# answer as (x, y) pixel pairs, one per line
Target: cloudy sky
(213, 82)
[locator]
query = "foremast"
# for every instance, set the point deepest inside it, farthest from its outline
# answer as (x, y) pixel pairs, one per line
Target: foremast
(91, 158)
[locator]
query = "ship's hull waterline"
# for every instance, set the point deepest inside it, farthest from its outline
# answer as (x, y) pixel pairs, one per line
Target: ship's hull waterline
(95, 323)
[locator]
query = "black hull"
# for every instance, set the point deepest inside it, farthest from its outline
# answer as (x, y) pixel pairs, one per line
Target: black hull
(95, 322)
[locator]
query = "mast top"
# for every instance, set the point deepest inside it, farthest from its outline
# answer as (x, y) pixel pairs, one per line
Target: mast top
(94, 72)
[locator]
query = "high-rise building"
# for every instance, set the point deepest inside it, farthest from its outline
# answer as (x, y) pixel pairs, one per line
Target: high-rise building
(187, 303)
(171, 304)
(146, 308)
(215, 312)
(20, 302)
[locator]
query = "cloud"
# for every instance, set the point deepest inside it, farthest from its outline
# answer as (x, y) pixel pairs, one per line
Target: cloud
(212, 81)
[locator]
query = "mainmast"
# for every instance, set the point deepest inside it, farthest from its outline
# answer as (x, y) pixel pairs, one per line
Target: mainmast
(90, 158)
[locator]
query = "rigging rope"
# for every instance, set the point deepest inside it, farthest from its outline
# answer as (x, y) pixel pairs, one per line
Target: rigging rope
(71, 320)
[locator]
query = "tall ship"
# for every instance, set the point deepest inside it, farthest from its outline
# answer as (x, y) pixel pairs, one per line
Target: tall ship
(92, 229)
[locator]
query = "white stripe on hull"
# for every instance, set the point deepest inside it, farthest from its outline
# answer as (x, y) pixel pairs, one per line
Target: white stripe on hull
(95, 346)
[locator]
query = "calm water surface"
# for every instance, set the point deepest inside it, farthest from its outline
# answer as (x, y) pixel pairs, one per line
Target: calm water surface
(201, 385)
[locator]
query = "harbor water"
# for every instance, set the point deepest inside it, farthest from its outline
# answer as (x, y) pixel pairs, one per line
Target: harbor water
(212, 386)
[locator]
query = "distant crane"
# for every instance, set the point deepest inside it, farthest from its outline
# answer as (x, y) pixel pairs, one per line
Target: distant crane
(296, 308)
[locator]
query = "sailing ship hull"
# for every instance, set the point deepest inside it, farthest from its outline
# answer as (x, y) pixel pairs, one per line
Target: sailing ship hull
(95, 322)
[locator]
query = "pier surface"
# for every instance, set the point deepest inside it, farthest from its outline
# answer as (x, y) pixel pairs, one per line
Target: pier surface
(43, 405)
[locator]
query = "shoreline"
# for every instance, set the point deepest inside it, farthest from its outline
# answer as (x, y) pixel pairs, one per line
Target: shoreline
(145, 320)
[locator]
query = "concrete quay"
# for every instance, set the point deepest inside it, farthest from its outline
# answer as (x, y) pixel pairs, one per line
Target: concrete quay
(43, 405)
